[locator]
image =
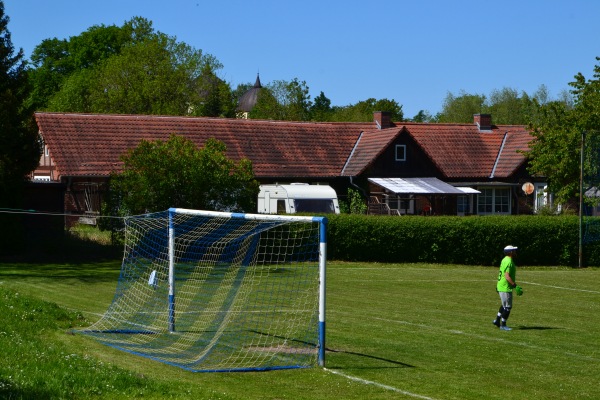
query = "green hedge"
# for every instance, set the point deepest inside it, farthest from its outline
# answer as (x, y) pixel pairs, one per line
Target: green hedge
(542, 240)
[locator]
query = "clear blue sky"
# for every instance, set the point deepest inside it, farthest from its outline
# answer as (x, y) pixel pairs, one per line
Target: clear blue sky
(412, 51)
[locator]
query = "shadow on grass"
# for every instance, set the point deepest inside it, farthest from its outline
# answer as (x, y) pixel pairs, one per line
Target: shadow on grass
(64, 258)
(68, 249)
(394, 363)
(535, 328)
(9, 392)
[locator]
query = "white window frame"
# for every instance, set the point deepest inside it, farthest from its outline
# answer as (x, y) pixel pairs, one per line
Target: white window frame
(403, 147)
(466, 201)
(496, 195)
(541, 196)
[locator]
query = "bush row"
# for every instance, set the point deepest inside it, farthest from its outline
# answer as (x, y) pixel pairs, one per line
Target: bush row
(477, 240)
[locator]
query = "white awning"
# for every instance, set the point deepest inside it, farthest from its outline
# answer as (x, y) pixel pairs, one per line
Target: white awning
(468, 190)
(420, 186)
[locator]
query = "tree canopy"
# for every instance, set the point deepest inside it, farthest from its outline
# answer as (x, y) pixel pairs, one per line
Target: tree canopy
(19, 149)
(507, 106)
(558, 131)
(363, 110)
(283, 100)
(158, 175)
(131, 69)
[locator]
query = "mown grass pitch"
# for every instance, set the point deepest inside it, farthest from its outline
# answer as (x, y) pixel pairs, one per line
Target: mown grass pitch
(393, 332)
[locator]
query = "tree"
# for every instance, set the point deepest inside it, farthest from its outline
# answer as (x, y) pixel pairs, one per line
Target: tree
(461, 108)
(423, 116)
(158, 175)
(363, 110)
(54, 60)
(283, 100)
(267, 106)
(506, 107)
(19, 149)
(321, 108)
(131, 69)
(19, 145)
(555, 153)
(215, 98)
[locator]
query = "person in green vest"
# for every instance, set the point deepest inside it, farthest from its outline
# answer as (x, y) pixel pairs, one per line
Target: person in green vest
(506, 284)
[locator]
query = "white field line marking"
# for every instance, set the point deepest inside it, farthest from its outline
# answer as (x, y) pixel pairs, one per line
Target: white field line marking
(482, 337)
(446, 280)
(562, 288)
(380, 385)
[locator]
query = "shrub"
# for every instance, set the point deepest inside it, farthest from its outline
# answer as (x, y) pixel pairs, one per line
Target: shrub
(477, 240)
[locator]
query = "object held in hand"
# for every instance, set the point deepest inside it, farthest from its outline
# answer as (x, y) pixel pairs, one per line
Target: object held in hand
(519, 290)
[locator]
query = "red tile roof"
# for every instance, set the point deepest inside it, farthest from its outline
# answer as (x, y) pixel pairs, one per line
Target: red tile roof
(370, 145)
(91, 144)
(457, 150)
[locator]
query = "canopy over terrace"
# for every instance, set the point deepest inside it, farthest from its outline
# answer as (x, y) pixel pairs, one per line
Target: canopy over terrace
(421, 196)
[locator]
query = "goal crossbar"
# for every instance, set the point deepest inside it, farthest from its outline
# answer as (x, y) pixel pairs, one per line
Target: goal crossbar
(214, 291)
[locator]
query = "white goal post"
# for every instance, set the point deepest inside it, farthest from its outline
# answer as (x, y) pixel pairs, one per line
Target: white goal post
(214, 291)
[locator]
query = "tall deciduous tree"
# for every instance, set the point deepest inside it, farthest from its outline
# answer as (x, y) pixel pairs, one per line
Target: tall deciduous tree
(130, 69)
(55, 60)
(158, 175)
(363, 110)
(507, 106)
(460, 109)
(555, 153)
(283, 100)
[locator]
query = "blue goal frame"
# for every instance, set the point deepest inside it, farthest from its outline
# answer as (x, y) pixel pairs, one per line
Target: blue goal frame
(322, 261)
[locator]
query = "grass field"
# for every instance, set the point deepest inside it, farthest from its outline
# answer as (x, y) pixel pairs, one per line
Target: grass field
(393, 332)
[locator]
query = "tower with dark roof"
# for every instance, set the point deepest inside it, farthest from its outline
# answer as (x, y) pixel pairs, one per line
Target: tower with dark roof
(249, 99)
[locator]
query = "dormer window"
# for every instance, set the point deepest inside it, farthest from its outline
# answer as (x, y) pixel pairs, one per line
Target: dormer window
(400, 152)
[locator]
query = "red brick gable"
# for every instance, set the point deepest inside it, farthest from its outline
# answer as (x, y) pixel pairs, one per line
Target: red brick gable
(91, 144)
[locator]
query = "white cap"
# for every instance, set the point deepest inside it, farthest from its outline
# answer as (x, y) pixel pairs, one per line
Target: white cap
(510, 248)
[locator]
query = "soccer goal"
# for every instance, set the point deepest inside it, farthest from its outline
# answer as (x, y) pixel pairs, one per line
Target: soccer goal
(213, 291)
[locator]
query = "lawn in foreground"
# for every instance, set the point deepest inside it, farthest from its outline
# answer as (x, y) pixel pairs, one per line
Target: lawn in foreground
(393, 331)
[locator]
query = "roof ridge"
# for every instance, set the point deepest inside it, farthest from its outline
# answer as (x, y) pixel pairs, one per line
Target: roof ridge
(191, 117)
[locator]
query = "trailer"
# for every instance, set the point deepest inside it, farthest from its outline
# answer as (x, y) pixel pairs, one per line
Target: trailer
(297, 198)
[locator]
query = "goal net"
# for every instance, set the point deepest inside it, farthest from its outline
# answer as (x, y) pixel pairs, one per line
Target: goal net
(210, 291)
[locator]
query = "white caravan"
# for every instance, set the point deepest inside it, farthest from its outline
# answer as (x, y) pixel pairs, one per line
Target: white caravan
(297, 198)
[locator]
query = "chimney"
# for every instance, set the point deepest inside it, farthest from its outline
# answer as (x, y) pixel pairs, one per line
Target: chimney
(383, 119)
(483, 121)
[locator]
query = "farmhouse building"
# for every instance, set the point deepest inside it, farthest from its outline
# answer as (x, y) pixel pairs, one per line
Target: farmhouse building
(400, 167)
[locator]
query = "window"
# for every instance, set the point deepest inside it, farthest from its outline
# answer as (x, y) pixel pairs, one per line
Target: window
(462, 205)
(314, 205)
(404, 205)
(541, 196)
(400, 152)
(493, 201)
